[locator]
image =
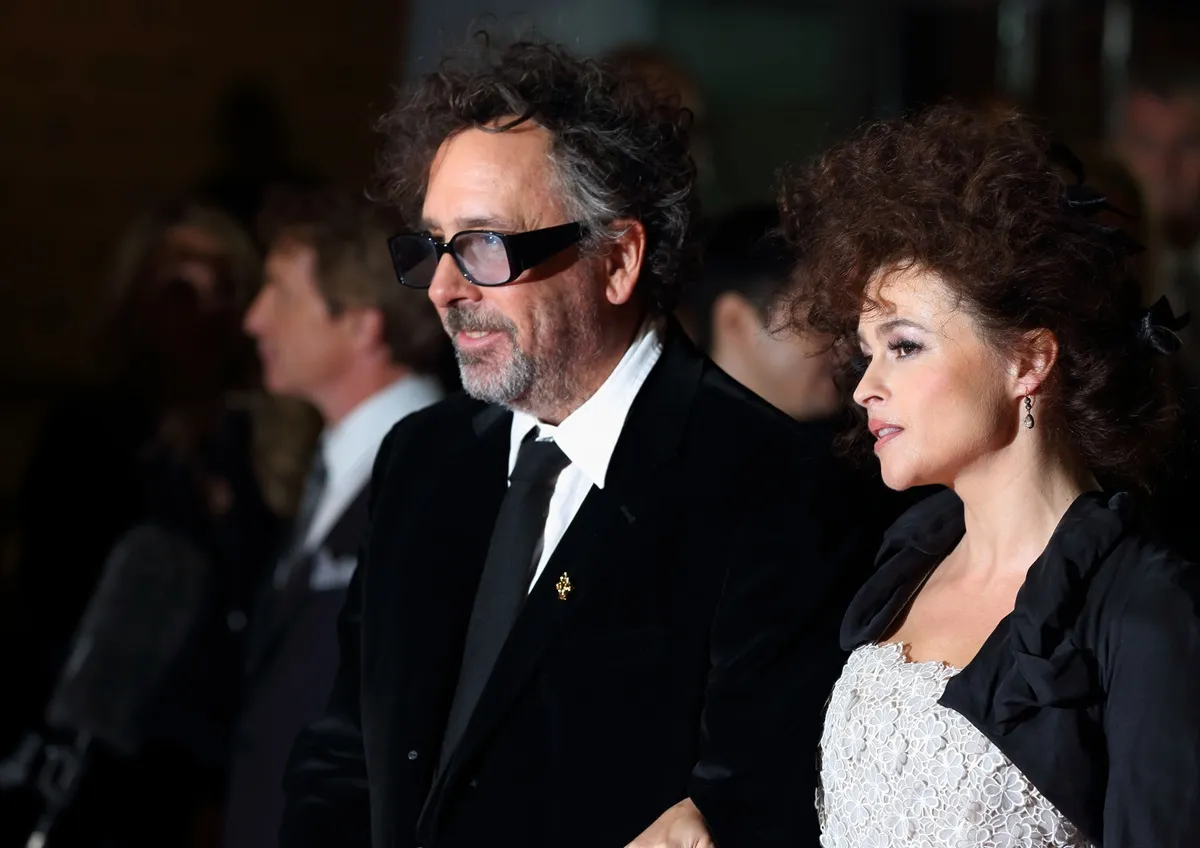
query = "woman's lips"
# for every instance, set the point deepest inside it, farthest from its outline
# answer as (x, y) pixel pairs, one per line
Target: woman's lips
(885, 434)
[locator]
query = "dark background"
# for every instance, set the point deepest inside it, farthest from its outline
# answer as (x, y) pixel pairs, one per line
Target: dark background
(109, 107)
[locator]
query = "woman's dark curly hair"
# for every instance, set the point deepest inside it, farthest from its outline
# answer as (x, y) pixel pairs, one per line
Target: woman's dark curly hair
(620, 147)
(976, 199)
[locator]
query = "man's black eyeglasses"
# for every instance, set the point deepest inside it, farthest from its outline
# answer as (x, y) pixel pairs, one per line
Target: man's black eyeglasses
(484, 257)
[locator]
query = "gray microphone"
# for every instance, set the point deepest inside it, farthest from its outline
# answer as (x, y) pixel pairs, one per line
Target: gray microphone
(149, 597)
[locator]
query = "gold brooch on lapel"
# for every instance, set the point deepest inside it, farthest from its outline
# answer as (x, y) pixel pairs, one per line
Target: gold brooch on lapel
(564, 586)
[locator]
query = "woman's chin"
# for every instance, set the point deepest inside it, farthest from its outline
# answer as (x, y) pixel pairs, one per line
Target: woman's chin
(899, 479)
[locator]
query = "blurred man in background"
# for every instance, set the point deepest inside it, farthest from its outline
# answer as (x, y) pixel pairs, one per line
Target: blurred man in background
(1158, 138)
(334, 328)
(744, 266)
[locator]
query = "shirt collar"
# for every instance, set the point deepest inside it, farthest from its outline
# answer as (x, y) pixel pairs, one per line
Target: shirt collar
(588, 436)
(357, 436)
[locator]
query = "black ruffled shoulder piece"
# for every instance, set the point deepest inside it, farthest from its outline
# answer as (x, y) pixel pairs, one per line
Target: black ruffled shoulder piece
(1049, 669)
(1044, 665)
(913, 546)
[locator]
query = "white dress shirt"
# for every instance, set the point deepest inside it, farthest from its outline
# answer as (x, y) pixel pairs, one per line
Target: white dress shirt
(588, 436)
(349, 447)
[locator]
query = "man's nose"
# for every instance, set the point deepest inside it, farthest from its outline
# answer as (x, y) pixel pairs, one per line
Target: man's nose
(449, 286)
(255, 319)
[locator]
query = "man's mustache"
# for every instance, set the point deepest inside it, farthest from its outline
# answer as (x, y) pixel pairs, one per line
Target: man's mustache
(460, 320)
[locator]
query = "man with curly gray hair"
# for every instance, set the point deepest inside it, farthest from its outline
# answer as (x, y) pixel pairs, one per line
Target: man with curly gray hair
(583, 600)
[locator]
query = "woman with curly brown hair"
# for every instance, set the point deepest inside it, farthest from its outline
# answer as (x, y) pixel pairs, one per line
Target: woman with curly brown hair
(1024, 666)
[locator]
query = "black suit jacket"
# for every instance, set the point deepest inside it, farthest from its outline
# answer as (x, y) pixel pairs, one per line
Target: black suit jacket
(692, 657)
(291, 661)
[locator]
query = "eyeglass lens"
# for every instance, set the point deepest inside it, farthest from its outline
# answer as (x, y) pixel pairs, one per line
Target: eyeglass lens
(481, 255)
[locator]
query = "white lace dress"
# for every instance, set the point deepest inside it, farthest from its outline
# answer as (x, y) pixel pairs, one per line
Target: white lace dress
(900, 770)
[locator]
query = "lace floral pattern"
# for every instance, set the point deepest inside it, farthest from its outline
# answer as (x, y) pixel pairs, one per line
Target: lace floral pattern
(898, 770)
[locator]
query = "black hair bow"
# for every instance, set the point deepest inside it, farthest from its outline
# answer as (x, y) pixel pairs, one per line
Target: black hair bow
(1158, 327)
(1087, 201)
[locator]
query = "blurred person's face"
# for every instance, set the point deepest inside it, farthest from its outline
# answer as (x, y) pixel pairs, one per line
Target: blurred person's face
(303, 348)
(792, 372)
(194, 255)
(183, 306)
(539, 343)
(940, 400)
(1160, 142)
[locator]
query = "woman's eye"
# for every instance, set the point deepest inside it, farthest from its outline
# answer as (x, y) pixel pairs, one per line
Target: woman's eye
(904, 349)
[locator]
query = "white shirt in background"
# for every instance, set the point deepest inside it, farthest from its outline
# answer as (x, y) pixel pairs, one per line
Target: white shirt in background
(349, 447)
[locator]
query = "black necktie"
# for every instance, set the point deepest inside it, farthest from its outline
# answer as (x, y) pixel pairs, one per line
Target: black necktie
(507, 572)
(314, 487)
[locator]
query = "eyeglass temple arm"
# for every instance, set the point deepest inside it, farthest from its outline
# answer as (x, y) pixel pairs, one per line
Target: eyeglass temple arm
(527, 250)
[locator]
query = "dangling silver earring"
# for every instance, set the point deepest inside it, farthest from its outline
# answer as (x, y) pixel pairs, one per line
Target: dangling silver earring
(1028, 412)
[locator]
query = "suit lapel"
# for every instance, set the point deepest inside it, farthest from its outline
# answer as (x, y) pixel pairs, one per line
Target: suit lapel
(471, 480)
(274, 611)
(271, 619)
(610, 524)
(474, 479)
(450, 512)
(264, 630)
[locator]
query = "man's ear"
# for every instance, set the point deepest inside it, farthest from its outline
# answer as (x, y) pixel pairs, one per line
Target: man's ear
(734, 318)
(365, 326)
(623, 261)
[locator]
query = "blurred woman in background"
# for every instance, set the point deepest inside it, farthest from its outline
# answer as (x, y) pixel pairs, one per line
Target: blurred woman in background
(167, 436)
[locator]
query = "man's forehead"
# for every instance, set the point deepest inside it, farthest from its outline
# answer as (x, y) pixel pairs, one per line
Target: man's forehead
(1146, 106)
(479, 178)
(290, 244)
(288, 252)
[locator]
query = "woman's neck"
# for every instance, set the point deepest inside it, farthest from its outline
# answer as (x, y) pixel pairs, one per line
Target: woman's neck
(1011, 508)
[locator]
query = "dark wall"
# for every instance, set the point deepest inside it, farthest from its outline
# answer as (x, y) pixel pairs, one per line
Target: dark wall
(110, 106)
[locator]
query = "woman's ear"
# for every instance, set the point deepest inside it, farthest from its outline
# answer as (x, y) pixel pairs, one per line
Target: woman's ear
(1036, 357)
(623, 261)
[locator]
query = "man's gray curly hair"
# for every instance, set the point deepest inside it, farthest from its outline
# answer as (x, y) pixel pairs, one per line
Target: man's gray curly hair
(620, 147)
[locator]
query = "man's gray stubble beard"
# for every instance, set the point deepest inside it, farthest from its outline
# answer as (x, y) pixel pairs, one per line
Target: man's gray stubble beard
(500, 383)
(528, 383)
(483, 378)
